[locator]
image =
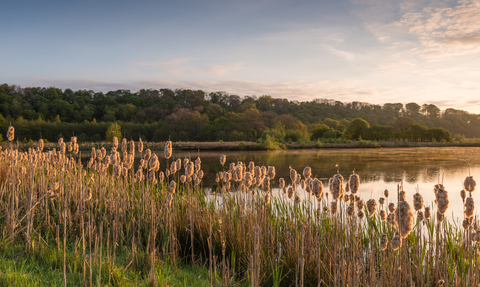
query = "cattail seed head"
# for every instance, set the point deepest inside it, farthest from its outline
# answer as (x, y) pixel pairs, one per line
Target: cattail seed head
(290, 192)
(350, 209)
(417, 201)
(333, 207)
(223, 159)
(354, 183)
(293, 175)
(337, 186)
(281, 182)
(11, 133)
(466, 223)
(396, 242)
(140, 145)
(440, 216)
(360, 204)
(383, 242)
(297, 199)
(267, 199)
(381, 200)
(266, 184)
(469, 207)
(385, 192)
(441, 198)
(391, 207)
(391, 218)
(168, 150)
(307, 172)
(173, 186)
(469, 184)
(463, 194)
(124, 145)
(428, 213)
(271, 172)
(371, 207)
(383, 215)
(404, 218)
(360, 214)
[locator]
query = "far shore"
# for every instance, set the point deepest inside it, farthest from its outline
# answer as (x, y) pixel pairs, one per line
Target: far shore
(246, 145)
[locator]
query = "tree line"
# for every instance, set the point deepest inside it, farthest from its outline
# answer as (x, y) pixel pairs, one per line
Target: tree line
(195, 115)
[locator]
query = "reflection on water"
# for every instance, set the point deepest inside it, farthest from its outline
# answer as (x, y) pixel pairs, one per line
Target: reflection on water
(379, 169)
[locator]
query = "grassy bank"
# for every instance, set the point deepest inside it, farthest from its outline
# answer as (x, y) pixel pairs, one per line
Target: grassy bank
(243, 232)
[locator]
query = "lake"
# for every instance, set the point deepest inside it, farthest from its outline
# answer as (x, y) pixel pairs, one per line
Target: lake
(379, 169)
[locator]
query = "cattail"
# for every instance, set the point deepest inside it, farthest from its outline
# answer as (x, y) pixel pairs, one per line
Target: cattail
(463, 194)
(40, 144)
(198, 164)
(223, 159)
(350, 209)
(297, 199)
(383, 215)
(371, 207)
(466, 223)
(307, 172)
(302, 184)
(290, 192)
(354, 183)
(428, 213)
(200, 174)
(293, 175)
(360, 204)
(391, 218)
(11, 133)
(385, 192)
(151, 176)
(267, 199)
(173, 167)
(168, 149)
(299, 179)
(477, 237)
(396, 242)
(347, 187)
(281, 182)
(148, 154)
(337, 186)
(391, 207)
(360, 214)
(161, 176)
(402, 195)
(441, 198)
(469, 184)
(251, 166)
(115, 143)
(404, 218)
(60, 142)
(381, 200)
(333, 207)
(325, 209)
(271, 172)
(140, 145)
(284, 189)
(383, 242)
(266, 184)
(173, 186)
(440, 216)
(469, 207)
(417, 201)
(124, 145)
(169, 199)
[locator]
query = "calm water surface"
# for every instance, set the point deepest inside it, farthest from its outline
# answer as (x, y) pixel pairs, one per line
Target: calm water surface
(379, 169)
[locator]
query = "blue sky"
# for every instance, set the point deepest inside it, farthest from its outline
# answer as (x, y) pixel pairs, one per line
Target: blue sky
(359, 50)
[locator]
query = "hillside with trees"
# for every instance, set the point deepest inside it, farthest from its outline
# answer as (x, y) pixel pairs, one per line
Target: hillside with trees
(194, 115)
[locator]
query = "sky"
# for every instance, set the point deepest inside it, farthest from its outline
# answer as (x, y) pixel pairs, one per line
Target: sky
(375, 51)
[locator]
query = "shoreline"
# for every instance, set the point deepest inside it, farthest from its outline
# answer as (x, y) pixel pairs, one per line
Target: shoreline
(246, 146)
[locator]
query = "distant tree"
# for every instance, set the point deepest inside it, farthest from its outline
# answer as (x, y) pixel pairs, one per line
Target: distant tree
(114, 130)
(402, 124)
(318, 131)
(412, 109)
(356, 129)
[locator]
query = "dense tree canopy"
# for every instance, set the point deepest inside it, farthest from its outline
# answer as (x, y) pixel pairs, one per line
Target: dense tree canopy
(195, 115)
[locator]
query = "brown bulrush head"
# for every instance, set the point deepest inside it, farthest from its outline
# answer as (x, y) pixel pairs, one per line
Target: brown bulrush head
(325, 209)
(466, 223)
(271, 172)
(391, 218)
(251, 167)
(441, 198)
(391, 207)
(333, 207)
(417, 201)
(302, 184)
(428, 213)
(337, 186)
(299, 179)
(463, 194)
(469, 207)
(173, 186)
(115, 143)
(183, 178)
(167, 151)
(396, 242)
(360, 204)
(354, 183)
(383, 215)
(293, 175)
(371, 207)
(297, 199)
(266, 184)
(10, 133)
(381, 200)
(469, 184)
(198, 164)
(350, 209)
(440, 217)
(148, 154)
(281, 182)
(383, 242)
(477, 236)
(290, 192)
(386, 193)
(179, 164)
(140, 145)
(307, 172)
(267, 198)
(40, 144)
(284, 189)
(346, 198)
(402, 196)
(223, 159)
(124, 145)
(420, 216)
(132, 146)
(404, 218)
(347, 187)
(360, 214)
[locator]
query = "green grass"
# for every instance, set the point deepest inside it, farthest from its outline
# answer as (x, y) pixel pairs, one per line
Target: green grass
(45, 268)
